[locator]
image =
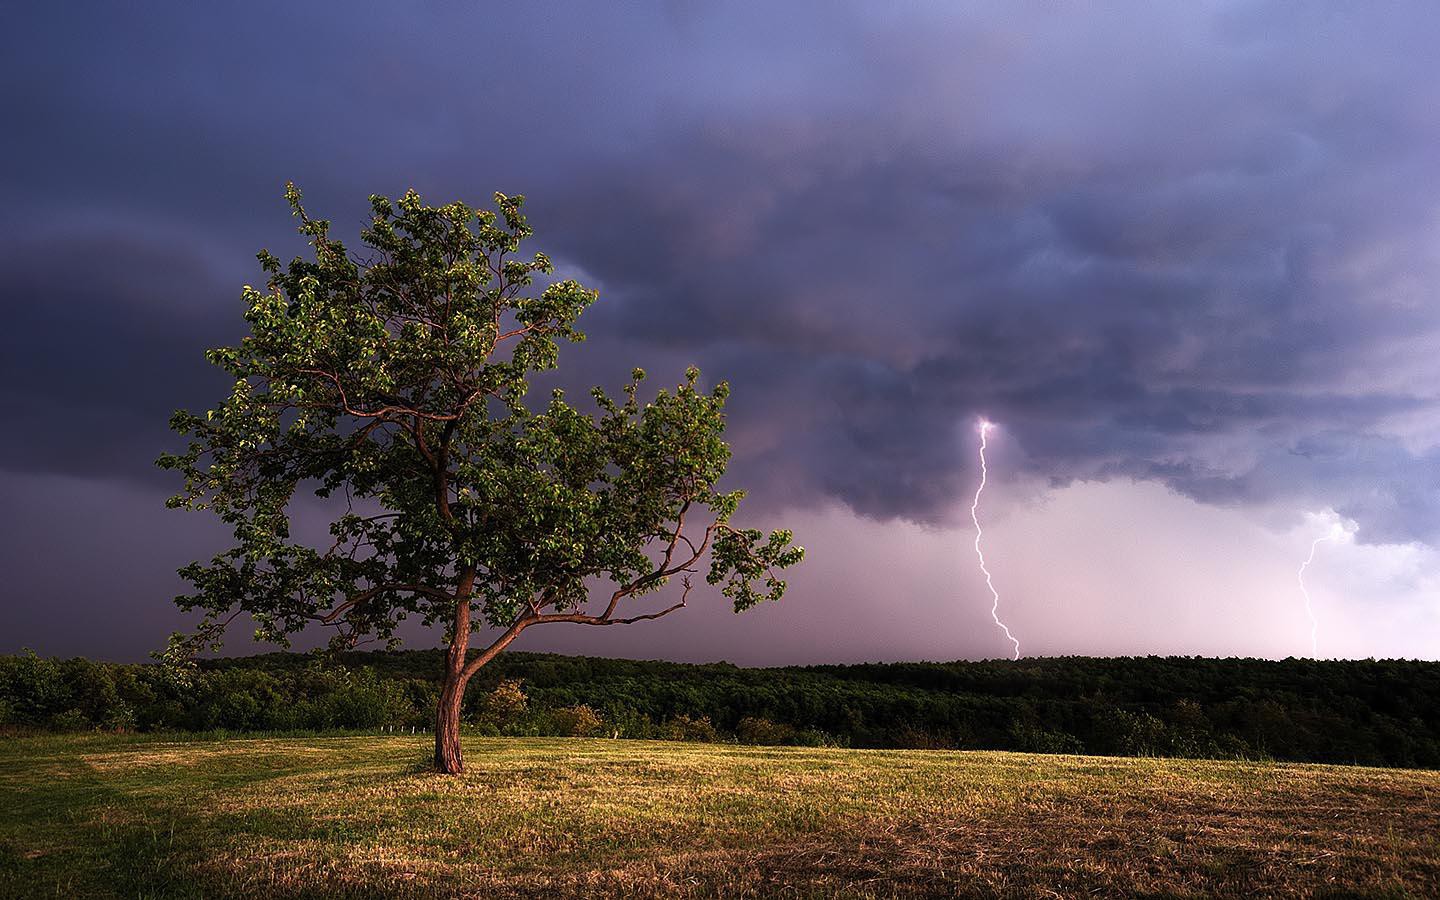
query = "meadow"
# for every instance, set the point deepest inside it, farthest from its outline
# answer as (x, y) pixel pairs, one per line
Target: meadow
(96, 815)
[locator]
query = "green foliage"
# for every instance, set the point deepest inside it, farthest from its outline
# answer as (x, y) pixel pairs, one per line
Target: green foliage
(758, 730)
(505, 705)
(392, 383)
(1127, 733)
(1376, 713)
(576, 721)
(690, 728)
(1031, 737)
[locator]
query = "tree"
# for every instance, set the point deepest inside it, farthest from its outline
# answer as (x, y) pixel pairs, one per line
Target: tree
(392, 386)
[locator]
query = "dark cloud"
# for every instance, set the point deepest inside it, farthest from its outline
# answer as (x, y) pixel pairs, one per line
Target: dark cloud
(1193, 245)
(1116, 324)
(104, 338)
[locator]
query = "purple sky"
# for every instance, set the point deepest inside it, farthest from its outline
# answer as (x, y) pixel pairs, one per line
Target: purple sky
(1185, 254)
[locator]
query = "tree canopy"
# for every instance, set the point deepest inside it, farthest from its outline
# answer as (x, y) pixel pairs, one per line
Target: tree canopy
(392, 384)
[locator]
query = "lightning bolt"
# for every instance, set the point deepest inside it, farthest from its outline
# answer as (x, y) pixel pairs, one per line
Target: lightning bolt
(975, 517)
(1300, 577)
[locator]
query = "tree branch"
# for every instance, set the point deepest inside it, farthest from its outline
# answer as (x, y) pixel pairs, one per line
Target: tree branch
(356, 600)
(581, 619)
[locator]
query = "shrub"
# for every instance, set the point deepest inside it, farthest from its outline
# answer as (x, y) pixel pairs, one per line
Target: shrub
(367, 701)
(576, 721)
(1031, 738)
(686, 728)
(120, 717)
(757, 730)
(909, 737)
(505, 705)
(36, 688)
(1127, 733)
(627, 722)
(70, 720)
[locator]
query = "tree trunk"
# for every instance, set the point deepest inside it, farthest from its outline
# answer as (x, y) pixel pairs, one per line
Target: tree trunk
(447, 725)
(452, 691)
(458, 673)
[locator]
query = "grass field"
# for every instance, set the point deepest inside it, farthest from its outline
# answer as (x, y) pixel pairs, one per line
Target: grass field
(96, 815)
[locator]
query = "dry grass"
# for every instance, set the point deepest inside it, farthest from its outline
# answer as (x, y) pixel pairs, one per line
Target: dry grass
(358, 817)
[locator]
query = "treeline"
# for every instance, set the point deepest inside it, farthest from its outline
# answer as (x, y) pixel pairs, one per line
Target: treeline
(1370, 712)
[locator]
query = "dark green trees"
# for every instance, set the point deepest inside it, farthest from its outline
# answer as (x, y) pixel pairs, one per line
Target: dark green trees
(392, 385)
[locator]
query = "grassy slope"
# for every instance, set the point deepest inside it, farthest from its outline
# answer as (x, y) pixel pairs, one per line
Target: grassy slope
(358, 816)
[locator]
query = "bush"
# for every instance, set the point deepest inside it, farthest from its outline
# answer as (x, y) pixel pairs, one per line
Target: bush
(1031, 738)
(909, 737)
(627, 722)
(1126, 733)
(70, 720)
(758, 730)
(686, 728)
(505, 705)
(35, 688)
(576, 721)
(120, 717)
(367, 701)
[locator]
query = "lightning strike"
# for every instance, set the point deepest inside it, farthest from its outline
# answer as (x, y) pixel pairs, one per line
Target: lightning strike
(1300, 577)
(985, 427)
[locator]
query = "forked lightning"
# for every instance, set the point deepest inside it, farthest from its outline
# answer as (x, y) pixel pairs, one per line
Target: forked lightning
(985, 427)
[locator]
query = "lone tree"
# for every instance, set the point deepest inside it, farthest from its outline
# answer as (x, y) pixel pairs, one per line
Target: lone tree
(392, 385)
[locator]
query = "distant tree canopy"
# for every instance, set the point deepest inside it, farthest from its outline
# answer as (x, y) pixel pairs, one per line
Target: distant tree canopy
(1383, 712)
(393, 383)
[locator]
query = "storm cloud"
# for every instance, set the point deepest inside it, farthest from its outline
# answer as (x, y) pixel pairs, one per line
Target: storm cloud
(1191, 245)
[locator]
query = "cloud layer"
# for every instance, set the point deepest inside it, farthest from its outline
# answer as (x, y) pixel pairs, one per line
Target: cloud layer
(1192, 246)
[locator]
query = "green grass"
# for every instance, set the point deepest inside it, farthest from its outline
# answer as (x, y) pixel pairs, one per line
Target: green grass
(102, 816)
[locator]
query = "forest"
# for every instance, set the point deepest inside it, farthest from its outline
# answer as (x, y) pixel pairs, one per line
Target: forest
(1369, 712)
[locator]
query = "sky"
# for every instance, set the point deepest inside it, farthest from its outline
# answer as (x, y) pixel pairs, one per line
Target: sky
(1184, 255)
